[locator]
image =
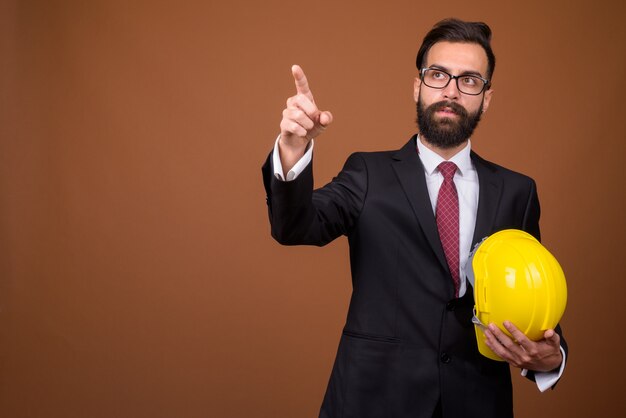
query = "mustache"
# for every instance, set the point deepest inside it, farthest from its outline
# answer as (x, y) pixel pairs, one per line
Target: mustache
(455, 107)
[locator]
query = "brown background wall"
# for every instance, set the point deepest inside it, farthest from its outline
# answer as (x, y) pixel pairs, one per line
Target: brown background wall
(137, 274)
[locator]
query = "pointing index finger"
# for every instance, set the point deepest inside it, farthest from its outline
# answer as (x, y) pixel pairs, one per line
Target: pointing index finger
(302, 85)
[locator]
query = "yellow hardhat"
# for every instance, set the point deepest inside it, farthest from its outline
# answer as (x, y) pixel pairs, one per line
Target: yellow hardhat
(515, 279)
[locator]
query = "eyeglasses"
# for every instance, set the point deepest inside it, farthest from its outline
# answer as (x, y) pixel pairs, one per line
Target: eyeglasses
(467, 84)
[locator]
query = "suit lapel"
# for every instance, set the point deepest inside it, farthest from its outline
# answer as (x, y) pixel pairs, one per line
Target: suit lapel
(490, 190)
(410, 172)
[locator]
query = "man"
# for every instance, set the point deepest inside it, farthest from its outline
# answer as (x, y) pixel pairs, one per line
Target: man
(411, 216)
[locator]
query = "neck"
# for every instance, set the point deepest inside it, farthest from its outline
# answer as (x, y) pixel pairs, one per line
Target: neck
(445, 153)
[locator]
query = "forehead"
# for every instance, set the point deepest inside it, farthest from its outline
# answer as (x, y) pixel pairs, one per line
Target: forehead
(458, 57)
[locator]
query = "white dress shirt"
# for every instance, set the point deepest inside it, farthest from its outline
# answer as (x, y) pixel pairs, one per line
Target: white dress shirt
(466, 183)
(467, 186)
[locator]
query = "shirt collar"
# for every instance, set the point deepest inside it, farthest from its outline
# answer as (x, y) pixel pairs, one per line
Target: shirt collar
(431, 159)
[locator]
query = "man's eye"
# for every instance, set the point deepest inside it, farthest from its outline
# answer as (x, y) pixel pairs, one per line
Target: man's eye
(469, 81)
(438, 74)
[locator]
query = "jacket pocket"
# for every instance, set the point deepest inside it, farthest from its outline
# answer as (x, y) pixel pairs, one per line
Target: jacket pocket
(370, 337)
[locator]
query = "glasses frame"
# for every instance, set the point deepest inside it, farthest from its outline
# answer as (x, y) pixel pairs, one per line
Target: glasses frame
(486, 82)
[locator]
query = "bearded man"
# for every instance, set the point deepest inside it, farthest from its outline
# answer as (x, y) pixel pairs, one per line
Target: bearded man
(411, 217)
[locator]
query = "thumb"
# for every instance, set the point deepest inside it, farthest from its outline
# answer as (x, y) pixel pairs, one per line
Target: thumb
(552, 337)
(326, 118)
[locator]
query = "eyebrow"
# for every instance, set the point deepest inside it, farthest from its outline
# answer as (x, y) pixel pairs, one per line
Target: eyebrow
(441, 67)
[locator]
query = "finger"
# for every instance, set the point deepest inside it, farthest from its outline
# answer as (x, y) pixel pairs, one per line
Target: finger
(300, 101)
(530, 347)
(300, 117)
(326, 118)
(493, 341)
(291, 127)
(497, 333)
(504, 347)
(496, 346)
(518, 335)
(505, 340)
(552, 337)
(302, 84)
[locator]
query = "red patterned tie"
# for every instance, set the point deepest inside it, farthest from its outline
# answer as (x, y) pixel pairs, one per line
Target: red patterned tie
(448, 220)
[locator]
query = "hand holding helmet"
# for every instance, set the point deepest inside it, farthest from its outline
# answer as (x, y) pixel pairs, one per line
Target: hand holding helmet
(520, 295)
(541, 356)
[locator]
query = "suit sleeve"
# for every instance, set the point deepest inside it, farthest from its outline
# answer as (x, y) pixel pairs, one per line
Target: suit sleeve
(300, 215)
(532, 213)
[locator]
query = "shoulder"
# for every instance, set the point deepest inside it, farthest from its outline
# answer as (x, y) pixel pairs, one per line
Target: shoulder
(377, 162)
(371, 156)
(407, 152)
(506, 174)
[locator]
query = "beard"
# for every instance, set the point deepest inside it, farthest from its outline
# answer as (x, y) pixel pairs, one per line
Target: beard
(446, 132)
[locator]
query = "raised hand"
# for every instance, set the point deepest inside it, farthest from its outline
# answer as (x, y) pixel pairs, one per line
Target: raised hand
(302, 121)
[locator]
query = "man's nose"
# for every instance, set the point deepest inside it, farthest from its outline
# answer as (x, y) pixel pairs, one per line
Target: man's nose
(451, 91)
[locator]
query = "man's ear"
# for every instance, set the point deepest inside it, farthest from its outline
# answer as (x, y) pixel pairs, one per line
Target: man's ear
(487, 100)
(417, 83)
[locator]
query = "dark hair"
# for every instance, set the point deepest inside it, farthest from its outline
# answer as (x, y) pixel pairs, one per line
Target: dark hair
(455, 30)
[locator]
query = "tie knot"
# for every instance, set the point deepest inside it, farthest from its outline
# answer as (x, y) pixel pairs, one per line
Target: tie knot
(447, 169)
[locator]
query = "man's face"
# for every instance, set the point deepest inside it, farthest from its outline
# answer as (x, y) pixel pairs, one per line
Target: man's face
(447, 117)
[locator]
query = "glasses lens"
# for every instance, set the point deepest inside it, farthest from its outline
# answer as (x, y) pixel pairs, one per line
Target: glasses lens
(436, 79)
(470, 84)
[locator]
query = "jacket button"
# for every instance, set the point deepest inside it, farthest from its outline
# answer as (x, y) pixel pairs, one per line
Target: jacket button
(451, 305)
(445, 358)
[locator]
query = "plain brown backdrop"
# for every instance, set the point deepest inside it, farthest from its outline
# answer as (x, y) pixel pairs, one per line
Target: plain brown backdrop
(137, 274)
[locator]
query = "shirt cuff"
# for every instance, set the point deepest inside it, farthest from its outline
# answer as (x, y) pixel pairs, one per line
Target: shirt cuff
(545, 380)
(297, 168)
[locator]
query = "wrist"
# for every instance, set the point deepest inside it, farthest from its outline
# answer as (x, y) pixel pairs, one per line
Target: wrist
(291, 150)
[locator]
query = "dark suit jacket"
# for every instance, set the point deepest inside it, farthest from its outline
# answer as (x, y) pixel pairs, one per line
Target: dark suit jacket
(407, 342)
